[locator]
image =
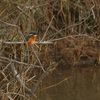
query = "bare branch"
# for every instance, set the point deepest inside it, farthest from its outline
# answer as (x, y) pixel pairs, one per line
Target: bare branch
(42, 42)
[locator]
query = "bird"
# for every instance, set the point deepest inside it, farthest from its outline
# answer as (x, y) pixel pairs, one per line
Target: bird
(31, 38)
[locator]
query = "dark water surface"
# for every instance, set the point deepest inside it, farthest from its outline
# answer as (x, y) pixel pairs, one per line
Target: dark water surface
(76, 84)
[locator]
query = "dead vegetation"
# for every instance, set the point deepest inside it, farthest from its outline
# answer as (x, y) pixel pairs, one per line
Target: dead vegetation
(71, 30)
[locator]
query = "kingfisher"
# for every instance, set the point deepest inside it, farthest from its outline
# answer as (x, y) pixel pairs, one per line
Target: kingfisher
(31, 38)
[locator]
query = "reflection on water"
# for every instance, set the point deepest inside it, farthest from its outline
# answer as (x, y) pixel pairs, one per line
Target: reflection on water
(80, 84)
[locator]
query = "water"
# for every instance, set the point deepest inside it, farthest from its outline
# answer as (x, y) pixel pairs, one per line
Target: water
(76, 84)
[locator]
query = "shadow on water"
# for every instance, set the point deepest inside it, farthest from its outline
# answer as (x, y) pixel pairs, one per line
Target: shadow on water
(80, 84)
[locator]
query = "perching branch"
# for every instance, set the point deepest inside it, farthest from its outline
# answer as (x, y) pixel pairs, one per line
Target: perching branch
(16, 42)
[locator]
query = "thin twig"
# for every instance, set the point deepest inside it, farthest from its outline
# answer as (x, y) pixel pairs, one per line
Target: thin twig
(47, 29)
(74, 36)
(38, 6)
(10, 97)
(9, 24)
(55, 85)
(44, 75)
(38, 59)
(18, 62)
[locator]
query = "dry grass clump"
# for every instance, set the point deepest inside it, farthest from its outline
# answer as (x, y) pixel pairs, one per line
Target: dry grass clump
(71, 30)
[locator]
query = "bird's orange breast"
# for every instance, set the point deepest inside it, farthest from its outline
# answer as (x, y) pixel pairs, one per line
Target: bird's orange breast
(32, 40)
